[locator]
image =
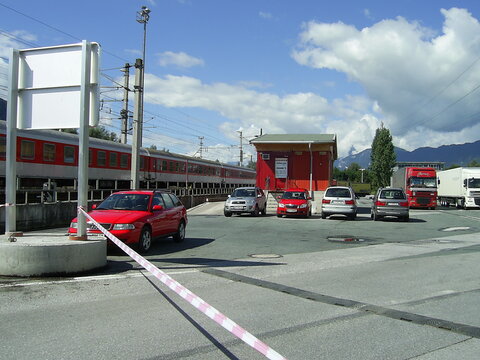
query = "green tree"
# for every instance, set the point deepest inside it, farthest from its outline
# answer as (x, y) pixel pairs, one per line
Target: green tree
(100, 132)
(473, 163)
(382, 158)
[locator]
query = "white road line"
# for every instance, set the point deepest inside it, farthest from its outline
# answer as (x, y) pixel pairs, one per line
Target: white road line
(88, 278)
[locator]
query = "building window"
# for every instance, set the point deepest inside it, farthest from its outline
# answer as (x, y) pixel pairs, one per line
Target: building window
(48, 152)
(265, 156)
(113, 159)
(27, 150)
(101, 158)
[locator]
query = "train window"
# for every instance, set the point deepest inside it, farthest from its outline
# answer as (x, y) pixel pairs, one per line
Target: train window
(177, 166)
(69, 154)
(90, 157)
(172, 166)
(124, 161)
(48, 152)
(182, 167)
(3, 146)
(27, 150)
(101, 158)
(142, 162)
(113, 159)
(164, 165)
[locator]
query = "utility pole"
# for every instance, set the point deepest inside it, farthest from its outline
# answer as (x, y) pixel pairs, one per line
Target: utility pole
(124, 111)
(201, 146)
(241, 147)
(142, 17)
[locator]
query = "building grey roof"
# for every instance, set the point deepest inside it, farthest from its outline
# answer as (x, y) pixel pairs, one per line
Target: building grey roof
(294, 138)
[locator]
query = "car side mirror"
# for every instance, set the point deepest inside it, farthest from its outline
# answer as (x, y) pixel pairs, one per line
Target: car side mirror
(94, 206)
(309, 198)
(157, 207)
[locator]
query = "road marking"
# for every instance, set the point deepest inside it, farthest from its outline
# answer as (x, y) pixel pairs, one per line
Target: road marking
(458, 228)
(464, 329)
(87, 279)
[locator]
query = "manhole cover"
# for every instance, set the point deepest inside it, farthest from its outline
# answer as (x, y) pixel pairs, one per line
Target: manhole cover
(345, 239)
(265, 256)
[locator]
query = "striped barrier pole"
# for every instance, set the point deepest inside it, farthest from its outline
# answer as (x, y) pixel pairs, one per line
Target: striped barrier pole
(190, 297)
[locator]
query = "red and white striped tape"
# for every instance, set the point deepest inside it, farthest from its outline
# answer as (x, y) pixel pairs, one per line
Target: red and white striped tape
(6, 204)
(190, 297)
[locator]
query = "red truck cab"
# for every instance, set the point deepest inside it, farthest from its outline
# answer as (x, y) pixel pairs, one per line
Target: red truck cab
(420, 185)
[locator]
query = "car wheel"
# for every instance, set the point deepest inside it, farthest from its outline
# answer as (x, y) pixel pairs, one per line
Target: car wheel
(227, 213)
(279, 215)
(264, 211)
(376, 217)
(406, 218)
(256, 211)
(324, 216)
(179, 236)
(145, 240)
(351, 217)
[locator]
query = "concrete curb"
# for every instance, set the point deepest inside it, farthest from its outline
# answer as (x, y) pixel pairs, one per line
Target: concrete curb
(50, 254)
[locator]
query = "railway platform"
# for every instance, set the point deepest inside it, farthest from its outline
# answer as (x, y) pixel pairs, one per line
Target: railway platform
(49, 253)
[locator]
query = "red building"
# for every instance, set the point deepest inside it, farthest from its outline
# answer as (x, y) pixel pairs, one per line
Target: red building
(295, 160)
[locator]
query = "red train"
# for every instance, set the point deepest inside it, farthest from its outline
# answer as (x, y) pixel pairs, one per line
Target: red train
(52, 156)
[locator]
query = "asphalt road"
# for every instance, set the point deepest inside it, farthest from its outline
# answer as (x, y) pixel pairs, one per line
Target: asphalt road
(309, 288)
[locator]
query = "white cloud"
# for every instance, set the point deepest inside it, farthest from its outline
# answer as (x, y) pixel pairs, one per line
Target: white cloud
(265, 15)
(252, 110)
(179, 59)
(405, 69)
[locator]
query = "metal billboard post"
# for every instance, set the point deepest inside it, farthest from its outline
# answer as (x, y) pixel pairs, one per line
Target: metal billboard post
(11, 161)
(83, 154)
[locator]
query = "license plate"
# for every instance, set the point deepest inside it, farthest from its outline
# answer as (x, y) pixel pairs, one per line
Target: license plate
(337, 202)
(393, 204)
(291, 210)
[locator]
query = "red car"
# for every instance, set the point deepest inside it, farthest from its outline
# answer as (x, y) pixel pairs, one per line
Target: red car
(138, 217)
(295, 202)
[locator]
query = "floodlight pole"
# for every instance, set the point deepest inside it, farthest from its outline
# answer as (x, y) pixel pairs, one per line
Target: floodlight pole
(142, 17)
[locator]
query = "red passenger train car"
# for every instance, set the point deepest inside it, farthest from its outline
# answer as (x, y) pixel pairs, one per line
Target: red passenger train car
(49, 155)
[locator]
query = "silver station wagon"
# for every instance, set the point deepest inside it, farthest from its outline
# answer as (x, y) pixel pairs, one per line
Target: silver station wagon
(390, 202)
(339, 200)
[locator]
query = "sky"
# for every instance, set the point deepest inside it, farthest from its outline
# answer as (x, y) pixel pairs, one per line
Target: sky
(220, 72)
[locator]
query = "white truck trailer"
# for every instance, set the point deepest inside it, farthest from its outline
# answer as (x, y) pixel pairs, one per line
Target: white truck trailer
(459, 187)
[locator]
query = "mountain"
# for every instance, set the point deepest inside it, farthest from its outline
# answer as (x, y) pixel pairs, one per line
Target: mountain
(460, 154)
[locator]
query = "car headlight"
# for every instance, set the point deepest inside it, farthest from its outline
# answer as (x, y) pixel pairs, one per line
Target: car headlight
(281, 205)
(303, 206)
(73, 225)
(123, 227)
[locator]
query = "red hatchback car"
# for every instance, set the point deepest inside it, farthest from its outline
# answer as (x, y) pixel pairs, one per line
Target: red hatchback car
(138, 217)
(295, 202)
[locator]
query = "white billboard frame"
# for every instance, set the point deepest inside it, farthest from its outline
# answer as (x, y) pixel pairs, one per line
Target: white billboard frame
(50, 84)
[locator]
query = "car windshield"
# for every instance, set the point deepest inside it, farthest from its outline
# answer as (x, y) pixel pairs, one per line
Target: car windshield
(244, 193)
(137, 202)
(334, 192)
(474, 183)
(294, 195)
(392, 194)
(423, 182)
